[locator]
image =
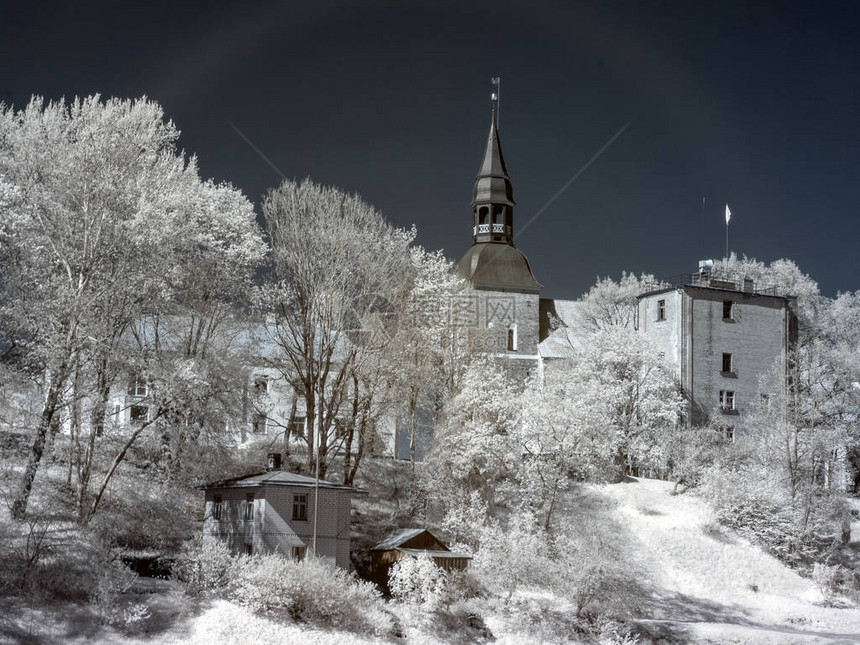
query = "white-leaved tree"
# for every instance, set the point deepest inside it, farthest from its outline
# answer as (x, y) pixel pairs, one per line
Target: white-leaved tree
(474, 446)
(101, 224)
(337, 285)
(613, 304)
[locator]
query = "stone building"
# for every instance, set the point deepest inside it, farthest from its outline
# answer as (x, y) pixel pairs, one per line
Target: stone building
(506, 297)
(727, 342)
(725, 338)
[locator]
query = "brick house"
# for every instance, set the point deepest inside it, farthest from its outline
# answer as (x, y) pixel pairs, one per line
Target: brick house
(273, 512)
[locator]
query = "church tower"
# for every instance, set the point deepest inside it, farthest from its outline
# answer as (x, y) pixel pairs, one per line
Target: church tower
(507, 293)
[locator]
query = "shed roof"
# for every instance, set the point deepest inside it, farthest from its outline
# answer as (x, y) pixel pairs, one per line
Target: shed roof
(397, 538)
(275, 478)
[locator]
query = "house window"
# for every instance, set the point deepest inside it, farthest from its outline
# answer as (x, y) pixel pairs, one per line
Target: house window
(727, 400)
(299, 553)
(258, 424)
(137, 387)
(297, 427)
(512, 338)
(300, 507)
(728, 433)
(217, 505)
(661, 310)
(261, 384)
(138, 414)
(728, 310)
(116, 411)
(727, 363)
(249, 506)
(248, 548)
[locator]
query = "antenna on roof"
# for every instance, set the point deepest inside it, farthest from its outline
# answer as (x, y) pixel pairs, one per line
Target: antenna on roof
(496, 96)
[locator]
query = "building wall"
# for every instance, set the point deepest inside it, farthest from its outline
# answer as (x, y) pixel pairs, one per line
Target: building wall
(756, 338)
(273, 529)
(694, 335)
(493, 314)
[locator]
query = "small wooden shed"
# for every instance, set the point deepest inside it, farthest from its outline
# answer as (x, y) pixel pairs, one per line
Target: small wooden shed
(414, 542)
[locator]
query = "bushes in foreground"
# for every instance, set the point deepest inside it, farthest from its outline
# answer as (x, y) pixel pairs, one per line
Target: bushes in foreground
(310, 591)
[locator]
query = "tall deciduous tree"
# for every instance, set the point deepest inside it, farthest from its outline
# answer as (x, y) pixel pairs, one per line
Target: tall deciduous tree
(101, 224)
(337, 264)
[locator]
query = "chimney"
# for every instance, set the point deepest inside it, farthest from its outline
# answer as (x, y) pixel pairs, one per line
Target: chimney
(274, 461)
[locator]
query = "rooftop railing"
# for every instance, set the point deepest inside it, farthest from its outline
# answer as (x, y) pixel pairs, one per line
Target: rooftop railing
(715, 280)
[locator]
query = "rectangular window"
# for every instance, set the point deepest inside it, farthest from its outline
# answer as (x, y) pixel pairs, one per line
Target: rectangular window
(138, 414)
(727, 362)
(249, 506)
(727, 400)
(297, 427)
(137, 387)
(248, 548)
(299, 553)
(217, 505)
(512, 339)
(261, 384)
(258, 424)
(728, 310)
(300, 507)
(661, 310)
(728, 433)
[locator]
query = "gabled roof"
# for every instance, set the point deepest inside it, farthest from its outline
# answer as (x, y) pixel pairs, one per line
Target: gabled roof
(275, 478)
(398, 538)
(407, 541)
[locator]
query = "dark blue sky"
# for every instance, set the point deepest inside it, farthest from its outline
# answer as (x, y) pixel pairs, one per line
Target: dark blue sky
(756, 106)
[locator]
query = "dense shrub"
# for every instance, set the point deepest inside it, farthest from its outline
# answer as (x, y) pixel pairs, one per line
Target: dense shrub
(836, 580)
(311, 591)
(418, 581)
(152, 517)
(204, 565)
(113, 580)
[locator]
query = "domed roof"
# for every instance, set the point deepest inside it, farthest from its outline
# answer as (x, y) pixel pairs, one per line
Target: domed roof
(498, 267)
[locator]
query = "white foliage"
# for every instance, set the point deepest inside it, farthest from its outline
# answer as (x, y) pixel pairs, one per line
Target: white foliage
(418, 581)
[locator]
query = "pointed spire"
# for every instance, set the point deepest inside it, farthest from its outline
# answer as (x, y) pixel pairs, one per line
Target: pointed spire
(493, 184)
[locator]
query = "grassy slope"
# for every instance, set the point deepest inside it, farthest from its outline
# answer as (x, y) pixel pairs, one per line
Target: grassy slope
(713, 586)
(698, 581)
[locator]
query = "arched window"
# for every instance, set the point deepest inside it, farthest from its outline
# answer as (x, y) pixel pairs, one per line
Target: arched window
(483, 215)
(512, 338)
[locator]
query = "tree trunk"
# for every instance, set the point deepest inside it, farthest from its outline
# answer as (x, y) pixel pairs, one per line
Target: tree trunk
(46, 422)
(117, 460)
(96, 430)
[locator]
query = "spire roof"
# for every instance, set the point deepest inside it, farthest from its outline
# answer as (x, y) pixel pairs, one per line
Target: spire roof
(493, 184)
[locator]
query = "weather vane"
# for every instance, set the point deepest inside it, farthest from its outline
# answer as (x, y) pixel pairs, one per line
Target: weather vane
(497, 95)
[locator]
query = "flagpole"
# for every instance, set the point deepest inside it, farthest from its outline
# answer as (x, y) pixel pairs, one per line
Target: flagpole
(497, 95)
(728, 219)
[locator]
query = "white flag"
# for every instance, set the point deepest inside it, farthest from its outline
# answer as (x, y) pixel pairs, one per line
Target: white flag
(728, 215)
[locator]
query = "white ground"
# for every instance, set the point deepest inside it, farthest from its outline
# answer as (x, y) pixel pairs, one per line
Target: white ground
(720, 588)
(704, 579)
